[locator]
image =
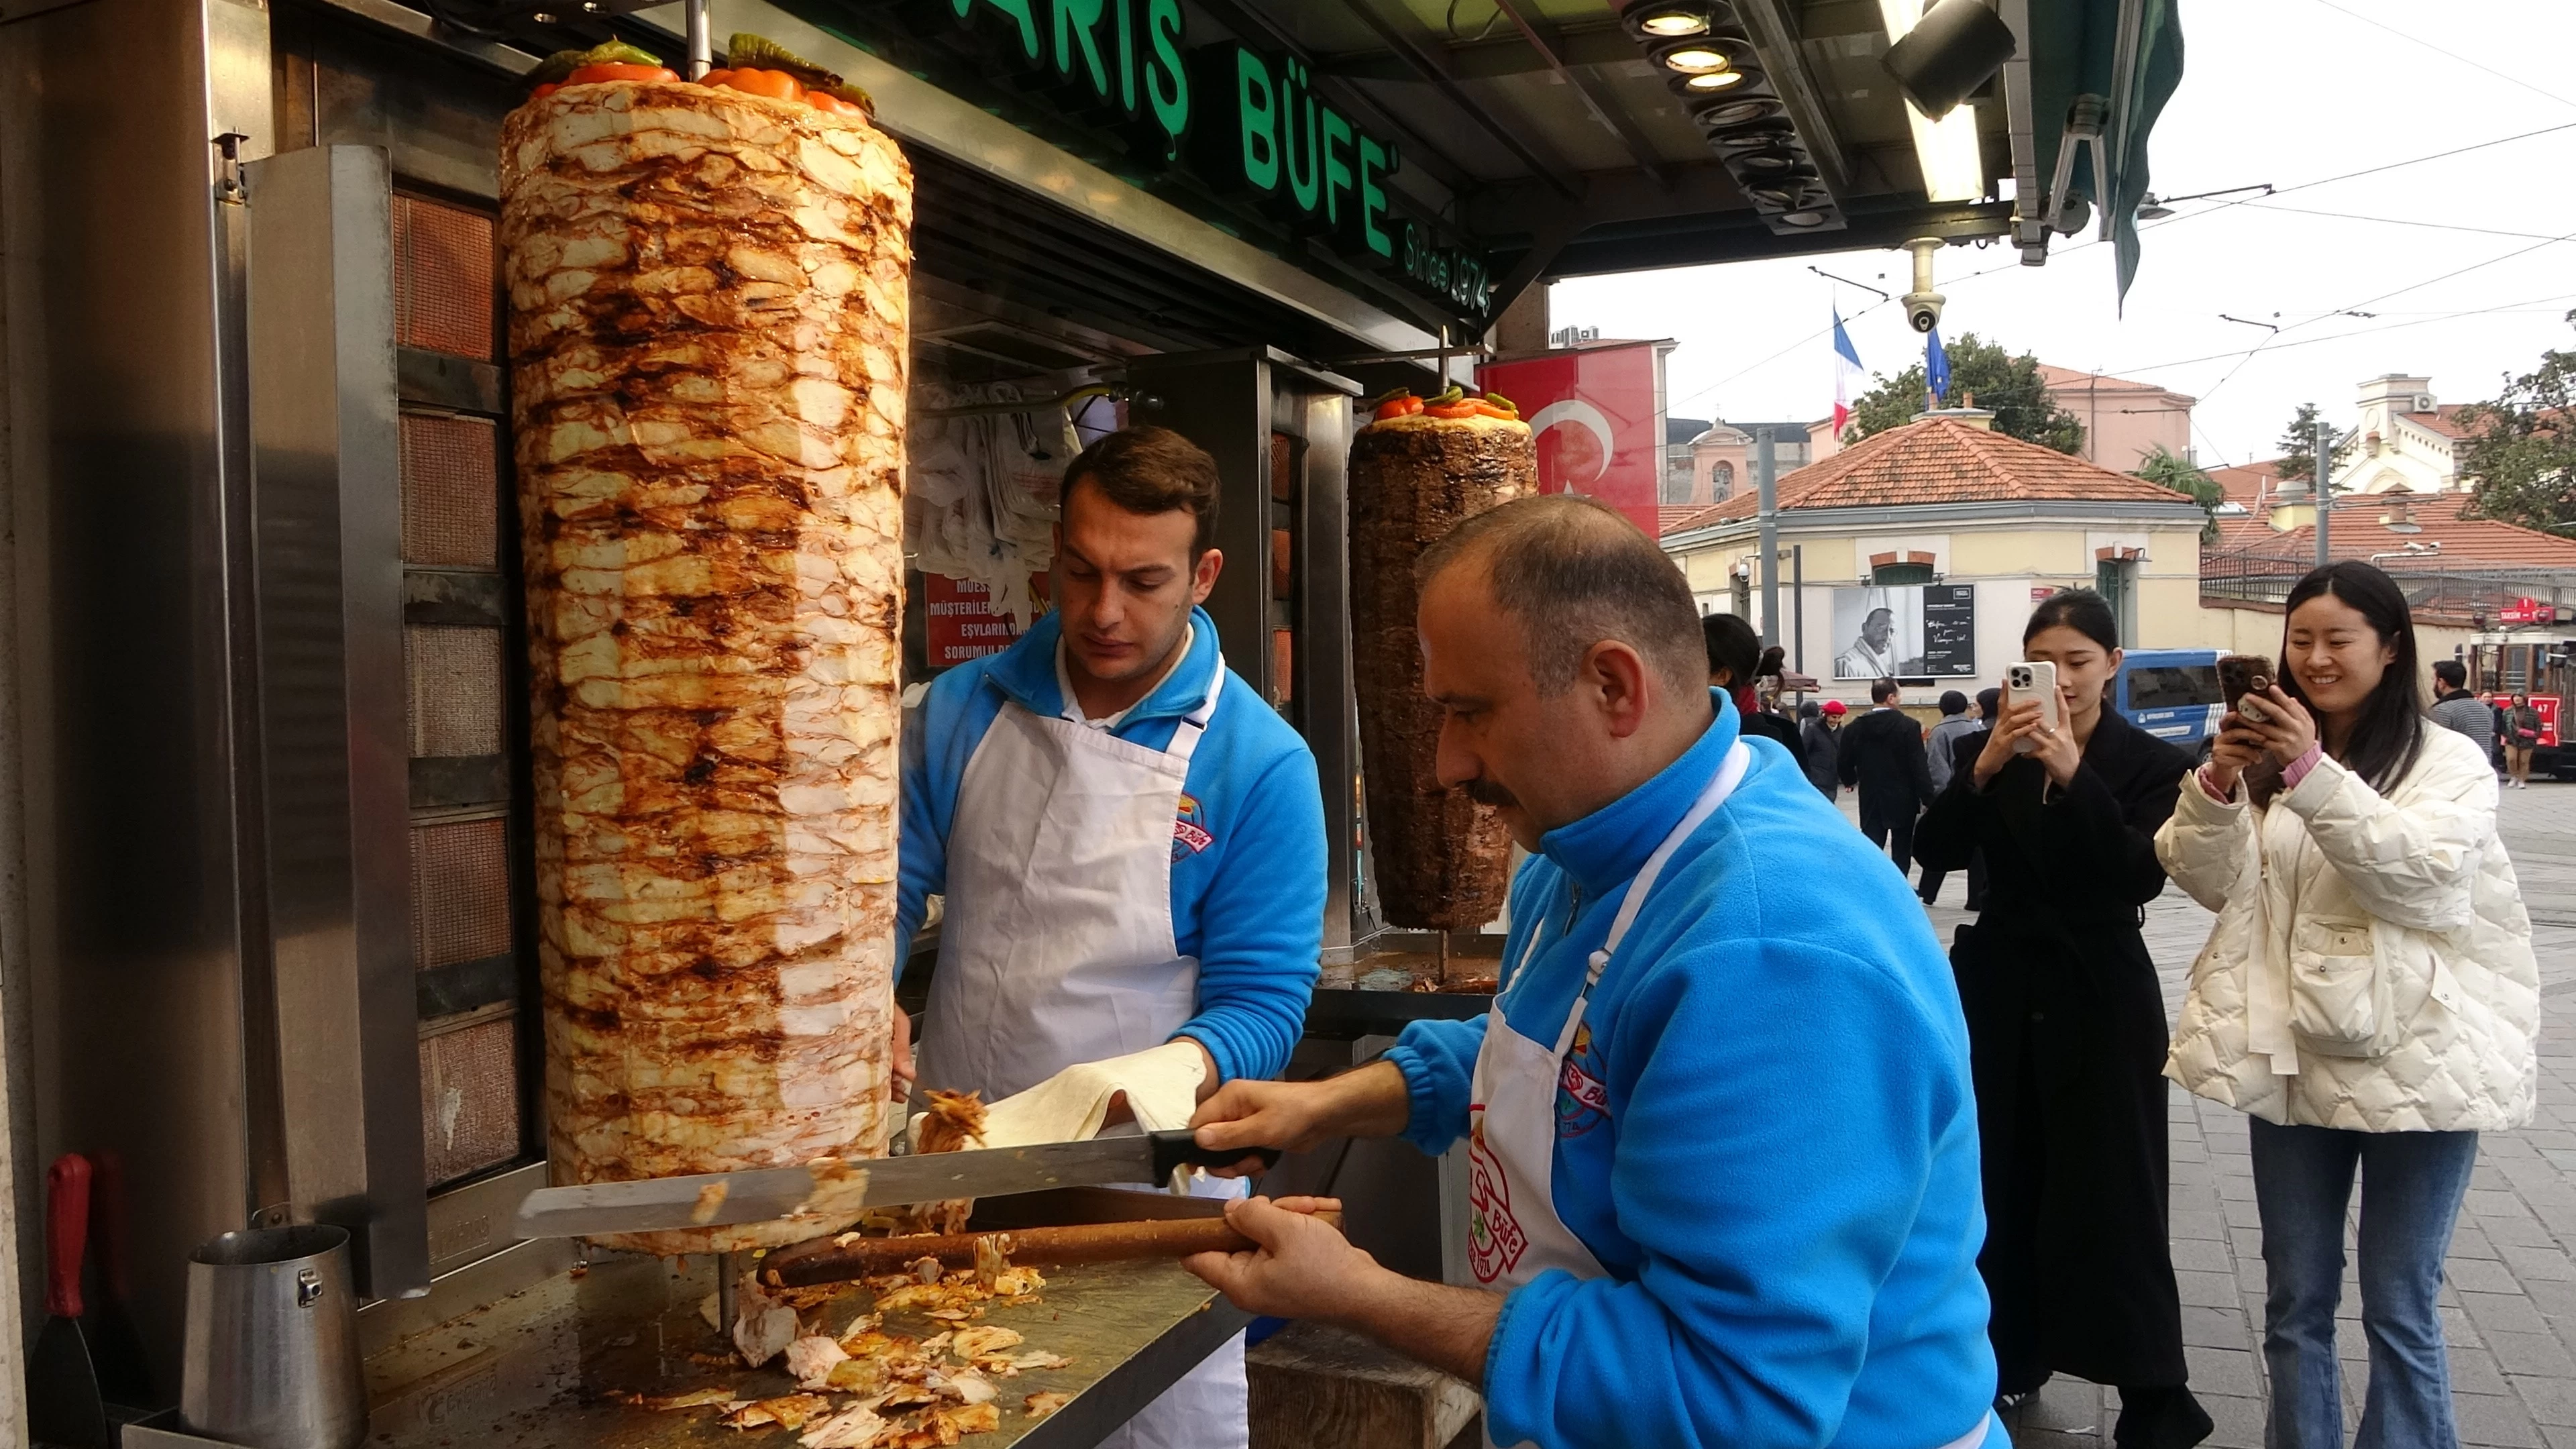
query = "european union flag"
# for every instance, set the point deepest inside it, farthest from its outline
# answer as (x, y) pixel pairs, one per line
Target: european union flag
(1936, 367)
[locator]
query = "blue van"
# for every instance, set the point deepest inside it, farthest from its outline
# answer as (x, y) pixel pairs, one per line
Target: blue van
(2172, 694)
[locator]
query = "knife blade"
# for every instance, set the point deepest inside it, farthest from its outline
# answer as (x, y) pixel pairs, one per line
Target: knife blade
(839, 1188)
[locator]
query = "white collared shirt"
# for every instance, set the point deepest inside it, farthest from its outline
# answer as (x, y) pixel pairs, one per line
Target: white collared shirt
(1108, 722)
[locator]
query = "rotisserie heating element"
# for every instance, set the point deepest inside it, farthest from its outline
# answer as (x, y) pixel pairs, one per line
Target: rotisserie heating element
(1440, 856)
(708, 343)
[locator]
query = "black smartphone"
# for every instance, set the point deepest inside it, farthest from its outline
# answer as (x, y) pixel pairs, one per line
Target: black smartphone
(2240, 675)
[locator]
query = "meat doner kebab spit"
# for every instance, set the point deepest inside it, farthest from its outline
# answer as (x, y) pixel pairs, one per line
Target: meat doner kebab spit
(708, 345)
(1418, 468)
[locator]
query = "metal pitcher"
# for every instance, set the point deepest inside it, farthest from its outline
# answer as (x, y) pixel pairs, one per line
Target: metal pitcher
(271, 1358)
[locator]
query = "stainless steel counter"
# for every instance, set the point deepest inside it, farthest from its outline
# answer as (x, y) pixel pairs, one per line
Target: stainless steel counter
(1405, 976)
(539, 1369)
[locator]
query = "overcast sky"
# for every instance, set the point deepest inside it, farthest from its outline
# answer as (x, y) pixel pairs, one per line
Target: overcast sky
(2284, 91)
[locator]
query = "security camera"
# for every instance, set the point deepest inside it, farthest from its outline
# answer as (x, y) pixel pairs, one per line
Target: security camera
(1923, 305)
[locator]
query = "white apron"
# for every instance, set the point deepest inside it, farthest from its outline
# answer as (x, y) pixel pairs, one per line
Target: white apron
(1057, 949)
(1513, 1232)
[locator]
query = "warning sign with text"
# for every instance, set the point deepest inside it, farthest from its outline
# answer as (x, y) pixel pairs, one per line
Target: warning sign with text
(961, 624)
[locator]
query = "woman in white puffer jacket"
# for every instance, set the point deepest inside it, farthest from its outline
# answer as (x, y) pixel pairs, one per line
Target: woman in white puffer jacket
(2368, 995)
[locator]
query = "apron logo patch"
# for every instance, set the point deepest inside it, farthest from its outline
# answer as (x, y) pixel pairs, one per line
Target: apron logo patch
(1495, 1241)
(1189, 830)
(1582, 1099)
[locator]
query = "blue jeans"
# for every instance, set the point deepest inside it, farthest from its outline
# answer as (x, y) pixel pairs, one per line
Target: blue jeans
(2412, 1184)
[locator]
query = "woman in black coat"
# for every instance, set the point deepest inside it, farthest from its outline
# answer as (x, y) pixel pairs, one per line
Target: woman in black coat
(2067, 1033)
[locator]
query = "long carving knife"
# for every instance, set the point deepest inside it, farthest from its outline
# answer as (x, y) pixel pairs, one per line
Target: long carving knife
(839, 1188)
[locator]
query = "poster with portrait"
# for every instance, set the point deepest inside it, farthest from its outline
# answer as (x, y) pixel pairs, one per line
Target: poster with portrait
(1905, 631)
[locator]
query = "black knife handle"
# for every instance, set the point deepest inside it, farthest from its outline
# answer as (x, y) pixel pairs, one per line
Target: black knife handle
(1180, 1149)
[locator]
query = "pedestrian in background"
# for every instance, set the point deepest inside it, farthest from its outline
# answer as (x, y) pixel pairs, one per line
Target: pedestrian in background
(1939, 748)
(2521, 736)
(1734, 655)
(2066, 1032)
(1818, 729)
(2455, 708)
(1770, 676)
(2368, 996)
(1881, 756)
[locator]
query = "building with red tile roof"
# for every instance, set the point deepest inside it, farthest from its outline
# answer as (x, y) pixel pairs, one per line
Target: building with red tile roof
(2125, 421)
(2457, 570)
(2389, 523)
(2249, 486)
(1946, 458)
(1955, 529)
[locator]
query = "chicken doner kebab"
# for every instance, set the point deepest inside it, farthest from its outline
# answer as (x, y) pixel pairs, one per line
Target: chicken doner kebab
(707, 288)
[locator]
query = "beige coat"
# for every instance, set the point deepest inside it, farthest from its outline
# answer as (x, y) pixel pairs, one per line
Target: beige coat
(2371, 967)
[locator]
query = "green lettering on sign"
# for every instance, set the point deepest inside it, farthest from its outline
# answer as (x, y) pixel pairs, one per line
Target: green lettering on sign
(1257, 104)
(1307, 162)
(1300, 140)
(1374, 163)
(1127, 56)
(1076, 24)
(1167, 81)
(1337, 164)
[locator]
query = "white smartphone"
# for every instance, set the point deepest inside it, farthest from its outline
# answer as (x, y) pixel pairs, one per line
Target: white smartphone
(2034, 679)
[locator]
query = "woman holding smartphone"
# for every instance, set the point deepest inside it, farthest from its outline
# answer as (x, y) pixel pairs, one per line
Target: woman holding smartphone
(2066, 1030)
(2368, 996)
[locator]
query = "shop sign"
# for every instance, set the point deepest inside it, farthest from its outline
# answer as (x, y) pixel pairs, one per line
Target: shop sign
(1247, 122)
(2530, 611)
(1598, 423)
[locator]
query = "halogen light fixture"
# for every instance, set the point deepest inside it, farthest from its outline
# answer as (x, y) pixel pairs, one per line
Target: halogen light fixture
(1709, 61)
(1665, 22)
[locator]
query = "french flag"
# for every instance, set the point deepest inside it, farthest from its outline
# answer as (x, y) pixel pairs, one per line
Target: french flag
(1846, 367)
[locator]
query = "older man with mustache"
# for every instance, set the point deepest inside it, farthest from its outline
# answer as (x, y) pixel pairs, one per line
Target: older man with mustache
(1722, 1147)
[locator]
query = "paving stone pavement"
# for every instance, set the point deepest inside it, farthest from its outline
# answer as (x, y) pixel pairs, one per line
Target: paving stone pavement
(2509, 1303)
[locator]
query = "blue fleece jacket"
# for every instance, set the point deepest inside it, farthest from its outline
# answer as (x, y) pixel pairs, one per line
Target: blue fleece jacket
(1247, 846)
(1783, 1189)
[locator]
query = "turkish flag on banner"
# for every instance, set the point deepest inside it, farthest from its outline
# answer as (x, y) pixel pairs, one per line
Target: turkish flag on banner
(1599, 422)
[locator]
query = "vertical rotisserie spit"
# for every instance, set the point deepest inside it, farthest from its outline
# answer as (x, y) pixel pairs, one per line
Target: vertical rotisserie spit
(1416, 471)
(708, 293)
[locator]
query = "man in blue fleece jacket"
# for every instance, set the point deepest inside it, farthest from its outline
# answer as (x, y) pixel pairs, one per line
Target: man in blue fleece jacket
(1722, 1147)
(1129, 838)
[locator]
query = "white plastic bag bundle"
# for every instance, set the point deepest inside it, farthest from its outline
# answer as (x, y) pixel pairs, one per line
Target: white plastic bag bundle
(980, 495)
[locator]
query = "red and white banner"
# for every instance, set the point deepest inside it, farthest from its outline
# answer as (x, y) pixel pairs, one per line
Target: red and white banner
(2530, 611)
(1599, 424)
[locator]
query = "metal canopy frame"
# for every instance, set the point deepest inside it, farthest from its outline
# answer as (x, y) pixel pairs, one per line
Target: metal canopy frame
(1433, 66)
(1553, 144)
(1543, 39)
(1660, 199)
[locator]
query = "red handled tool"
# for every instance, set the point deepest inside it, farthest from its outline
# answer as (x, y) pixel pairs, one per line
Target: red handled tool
(64, 1406)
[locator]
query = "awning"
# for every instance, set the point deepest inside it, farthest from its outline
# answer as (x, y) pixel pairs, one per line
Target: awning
(2104, 70)
(1434, 159)
(1562, 137)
